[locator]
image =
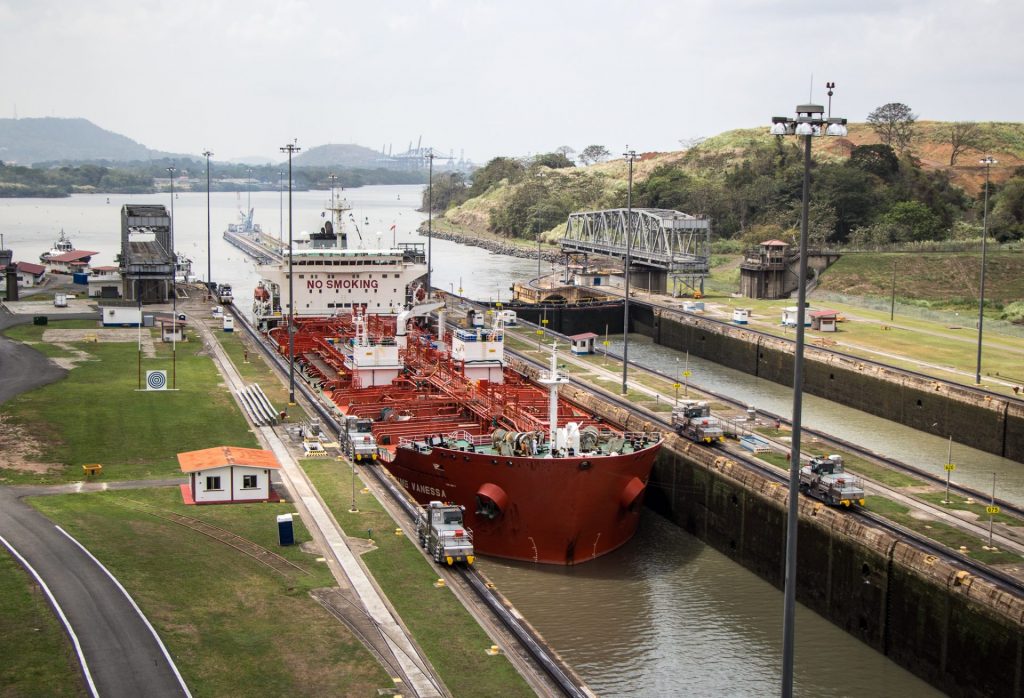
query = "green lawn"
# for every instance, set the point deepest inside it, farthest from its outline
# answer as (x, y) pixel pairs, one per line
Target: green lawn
(451, 638)
(97, 415)
(37, 656)
(940, 532)
(233, 625)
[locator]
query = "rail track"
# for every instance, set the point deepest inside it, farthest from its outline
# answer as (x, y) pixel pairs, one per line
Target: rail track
(243, 545)
(529, 642)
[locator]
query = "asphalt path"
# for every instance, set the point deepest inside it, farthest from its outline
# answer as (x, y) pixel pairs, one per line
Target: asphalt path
(22, 368)
(118, 650)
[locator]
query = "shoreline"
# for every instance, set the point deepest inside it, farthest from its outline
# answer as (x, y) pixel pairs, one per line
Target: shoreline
(492, 244)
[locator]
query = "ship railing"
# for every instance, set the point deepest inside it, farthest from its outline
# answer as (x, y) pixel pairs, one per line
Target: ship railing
(652, 436)
(458, 435)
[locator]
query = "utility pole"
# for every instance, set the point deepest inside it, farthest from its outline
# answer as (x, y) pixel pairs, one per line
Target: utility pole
(987, 162)
(209, 262)
(430, 215)
(291, 149)
(630, 157)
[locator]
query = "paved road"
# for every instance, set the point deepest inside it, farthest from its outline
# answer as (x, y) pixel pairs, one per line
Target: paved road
(22, 368)
(122, 655)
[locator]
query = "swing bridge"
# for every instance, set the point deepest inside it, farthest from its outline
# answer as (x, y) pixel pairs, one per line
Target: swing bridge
(673, 248)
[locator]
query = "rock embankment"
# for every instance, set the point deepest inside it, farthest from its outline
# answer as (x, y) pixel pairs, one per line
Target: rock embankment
(494, 244)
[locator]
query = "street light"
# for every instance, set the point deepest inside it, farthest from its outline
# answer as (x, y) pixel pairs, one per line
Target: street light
(248, 192)
(209, 273)
(430, 212)
(810, 121)
(988, 161)
(630, 157)
(174, 290)
(280, 205)
(291, 149)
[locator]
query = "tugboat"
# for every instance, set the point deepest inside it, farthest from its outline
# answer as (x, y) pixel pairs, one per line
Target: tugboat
(62, 245)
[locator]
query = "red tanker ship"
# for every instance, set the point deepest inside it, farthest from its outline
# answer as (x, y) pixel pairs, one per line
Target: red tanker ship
(541, 479)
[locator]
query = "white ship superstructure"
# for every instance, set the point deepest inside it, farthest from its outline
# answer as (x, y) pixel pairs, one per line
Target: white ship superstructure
(330, 279)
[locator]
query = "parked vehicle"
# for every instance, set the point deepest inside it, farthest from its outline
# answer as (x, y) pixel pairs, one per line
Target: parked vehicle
(825, 478)
(442, 533)
(692, 419)
(358, 441)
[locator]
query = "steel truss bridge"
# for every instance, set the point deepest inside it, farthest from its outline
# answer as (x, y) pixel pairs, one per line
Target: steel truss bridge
(673, 244)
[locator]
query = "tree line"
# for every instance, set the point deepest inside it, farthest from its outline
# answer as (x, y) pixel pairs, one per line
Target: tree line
(142, 177)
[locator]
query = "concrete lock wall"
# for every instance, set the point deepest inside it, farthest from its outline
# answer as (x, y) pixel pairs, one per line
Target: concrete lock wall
(960, 633)
(985, 422)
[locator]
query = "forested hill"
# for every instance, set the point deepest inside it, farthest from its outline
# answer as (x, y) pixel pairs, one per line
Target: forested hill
(49, 139)
(865, 192)
(338, 155)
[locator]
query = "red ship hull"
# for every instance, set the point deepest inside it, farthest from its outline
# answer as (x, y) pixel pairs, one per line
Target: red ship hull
(485, 445)
(556, 511)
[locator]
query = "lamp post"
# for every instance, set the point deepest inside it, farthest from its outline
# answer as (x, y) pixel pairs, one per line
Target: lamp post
(280, 205)
(291, 149)
(430, 213)
(209, 263)
(630, 156)
(174, 290)
(810, 121)
(248, 192)
(987, 162)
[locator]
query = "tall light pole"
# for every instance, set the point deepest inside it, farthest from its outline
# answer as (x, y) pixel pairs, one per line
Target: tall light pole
(280, 205)
(248, 192)
(174, 290)
(209, 264)
(630, 157)
(988, 161)
(291, 149)
(430, 213)
(810, 121)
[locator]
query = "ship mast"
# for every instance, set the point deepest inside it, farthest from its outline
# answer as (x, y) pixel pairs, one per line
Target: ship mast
(552, 380)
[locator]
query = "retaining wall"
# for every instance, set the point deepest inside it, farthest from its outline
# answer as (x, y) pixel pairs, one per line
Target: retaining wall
(960, 633)
(988, 423)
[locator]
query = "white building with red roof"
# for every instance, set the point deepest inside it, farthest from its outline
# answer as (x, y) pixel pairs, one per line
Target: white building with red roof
(70, 262)
(30, 274)
(228, 474)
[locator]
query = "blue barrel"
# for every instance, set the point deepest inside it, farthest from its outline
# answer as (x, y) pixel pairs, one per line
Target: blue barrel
(285, 532)
(81, 278)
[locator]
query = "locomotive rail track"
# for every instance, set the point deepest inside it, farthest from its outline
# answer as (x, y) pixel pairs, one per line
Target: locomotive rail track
(243, 545)
(529, 643)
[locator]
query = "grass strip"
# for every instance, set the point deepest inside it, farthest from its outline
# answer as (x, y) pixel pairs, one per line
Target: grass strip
(38, 658)
(233, 625)
(452, 639)
(939, 531)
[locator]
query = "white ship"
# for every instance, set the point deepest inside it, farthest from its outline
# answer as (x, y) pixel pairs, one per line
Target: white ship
(331, 278)
(62, 245)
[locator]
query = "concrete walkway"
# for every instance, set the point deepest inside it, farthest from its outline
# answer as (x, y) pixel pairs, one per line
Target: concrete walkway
(346, 566)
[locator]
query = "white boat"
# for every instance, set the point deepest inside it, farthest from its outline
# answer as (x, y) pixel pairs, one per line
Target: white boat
(62, 245)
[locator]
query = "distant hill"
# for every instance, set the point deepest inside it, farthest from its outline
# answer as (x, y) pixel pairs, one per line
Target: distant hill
(338, 155)
(50, 139)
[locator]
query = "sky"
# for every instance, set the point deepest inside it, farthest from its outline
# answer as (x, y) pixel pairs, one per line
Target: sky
(512, 77)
